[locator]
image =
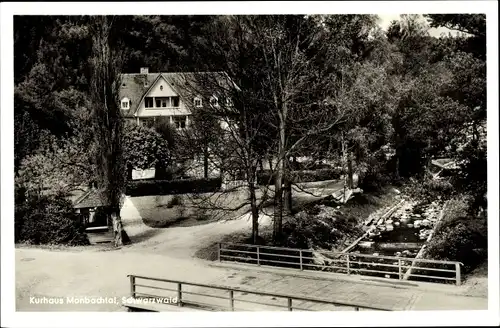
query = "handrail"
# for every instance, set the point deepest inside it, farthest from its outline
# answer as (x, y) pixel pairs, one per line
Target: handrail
(351, 261)
(339, 253)
(231, 291)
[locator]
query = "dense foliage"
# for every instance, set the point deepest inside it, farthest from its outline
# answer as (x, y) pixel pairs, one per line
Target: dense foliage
(48, 220)
(326, 87)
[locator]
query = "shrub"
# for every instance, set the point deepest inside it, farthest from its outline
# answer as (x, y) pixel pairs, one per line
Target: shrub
(175, 201)
(428, 189)
(265, 177)
(321, 226)
(170, 187)
(48, 220)
(463, 239)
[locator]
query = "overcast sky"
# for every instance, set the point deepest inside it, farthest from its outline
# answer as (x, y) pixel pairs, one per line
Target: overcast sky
(385, 21)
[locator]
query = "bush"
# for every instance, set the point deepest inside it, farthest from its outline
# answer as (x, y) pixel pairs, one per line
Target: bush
(265, 177)
(464, 239)
(428, 190)
(48, 220)
(171, 187)
(321, 226)
(175, 201)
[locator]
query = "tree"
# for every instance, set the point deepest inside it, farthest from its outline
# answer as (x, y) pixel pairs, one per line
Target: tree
(107, 121)
(144, 148)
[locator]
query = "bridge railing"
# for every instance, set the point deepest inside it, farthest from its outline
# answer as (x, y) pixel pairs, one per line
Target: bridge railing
(348, 263)
(213, 297)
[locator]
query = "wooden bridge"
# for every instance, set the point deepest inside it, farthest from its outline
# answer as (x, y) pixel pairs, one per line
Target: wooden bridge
(157, 295)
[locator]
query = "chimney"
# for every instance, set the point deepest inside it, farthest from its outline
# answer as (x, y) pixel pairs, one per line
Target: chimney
(144, 70)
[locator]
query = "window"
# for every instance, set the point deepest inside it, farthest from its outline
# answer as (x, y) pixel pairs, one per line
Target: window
(179, 122)
(175, 101)
(161, 87)
(214, 101)
(148, 102)
(148, 122)
(125, 103)
(162, 102)
(197, 102)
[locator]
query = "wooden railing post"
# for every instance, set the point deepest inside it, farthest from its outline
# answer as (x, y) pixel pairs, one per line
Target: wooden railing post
(348, 265)
(132, 286)
(289, 304)
(457, 269)
(258, 255)
(300, 254)
(231, 300)
(179, 294)
(399, 270)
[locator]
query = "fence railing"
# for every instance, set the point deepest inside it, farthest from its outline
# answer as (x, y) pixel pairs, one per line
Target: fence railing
(348, 263)
(223, 298)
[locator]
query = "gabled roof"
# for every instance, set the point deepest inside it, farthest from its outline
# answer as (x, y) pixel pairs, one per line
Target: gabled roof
(187, 85)
(92, 198)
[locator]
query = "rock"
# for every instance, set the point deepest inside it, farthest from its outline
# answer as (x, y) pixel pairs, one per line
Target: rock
(417, 223)
(366, 244)
(417, 215)
(389, 221)
(426, 222)
(396, 224)
(409, 225)
(382, 228)
(376, 254)
(404, 219)
(380, 222)
(389, 227)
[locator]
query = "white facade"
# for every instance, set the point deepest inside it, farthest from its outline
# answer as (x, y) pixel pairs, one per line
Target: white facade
(162, 100)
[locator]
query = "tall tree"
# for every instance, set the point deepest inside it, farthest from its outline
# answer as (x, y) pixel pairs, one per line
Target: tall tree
(107, 121)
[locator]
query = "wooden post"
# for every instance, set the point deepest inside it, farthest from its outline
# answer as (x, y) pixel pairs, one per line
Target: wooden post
(218, 251)
(179, 294)
(356, 309)
(289, 304)
(399, 269)
(348, 265)
(300, 254)
(457, 269)
(258, 256)
(132, 286)
(231, 300)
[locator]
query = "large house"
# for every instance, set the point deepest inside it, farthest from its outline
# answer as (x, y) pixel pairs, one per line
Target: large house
(145, 97)
(148, 97)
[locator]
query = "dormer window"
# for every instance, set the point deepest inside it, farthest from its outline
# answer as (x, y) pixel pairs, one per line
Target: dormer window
(214, 101)
(125, 103)
(197, 102)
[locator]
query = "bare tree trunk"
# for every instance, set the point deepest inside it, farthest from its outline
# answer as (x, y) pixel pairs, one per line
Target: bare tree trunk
(278, 195)
(120, 236)
(350, 180)
(287, 189)
(205, 162)
(253, 206)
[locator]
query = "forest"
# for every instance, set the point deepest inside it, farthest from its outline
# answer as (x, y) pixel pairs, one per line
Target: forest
(326, 87)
